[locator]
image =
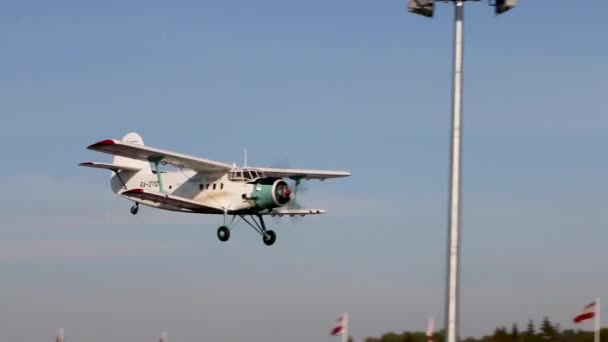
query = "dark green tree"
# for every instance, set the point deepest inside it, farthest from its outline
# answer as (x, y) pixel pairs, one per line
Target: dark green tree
(501, 335)
(439, 336)
(530, 334)
(514, 332)
(547, 330)
(391, 337)
(567, 336)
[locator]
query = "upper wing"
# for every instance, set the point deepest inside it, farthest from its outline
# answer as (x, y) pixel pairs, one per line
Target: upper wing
(129, 150)
(302, 173)
(175, 201)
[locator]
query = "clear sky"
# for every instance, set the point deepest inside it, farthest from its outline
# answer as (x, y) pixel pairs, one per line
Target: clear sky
(356, 85)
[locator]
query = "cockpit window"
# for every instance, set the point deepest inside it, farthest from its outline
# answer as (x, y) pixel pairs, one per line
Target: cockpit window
(244, 175)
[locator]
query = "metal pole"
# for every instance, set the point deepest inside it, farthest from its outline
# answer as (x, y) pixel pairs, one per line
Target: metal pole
(452, 309)
(345, 327)
(597, 321)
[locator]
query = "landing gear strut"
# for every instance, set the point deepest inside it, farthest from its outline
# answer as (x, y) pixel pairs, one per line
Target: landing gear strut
(268, 236)
(135, 209)
(255, 221)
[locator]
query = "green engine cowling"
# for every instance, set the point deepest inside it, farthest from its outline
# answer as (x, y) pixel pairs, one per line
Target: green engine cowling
(270, 193)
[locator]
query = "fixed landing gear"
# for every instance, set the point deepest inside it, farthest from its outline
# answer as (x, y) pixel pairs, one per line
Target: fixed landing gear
(223, 233)
(269, 238)
(256, 222)
(135, 209)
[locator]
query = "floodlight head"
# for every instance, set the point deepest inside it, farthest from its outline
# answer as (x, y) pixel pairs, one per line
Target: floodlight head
(501, 6)
(421, 7)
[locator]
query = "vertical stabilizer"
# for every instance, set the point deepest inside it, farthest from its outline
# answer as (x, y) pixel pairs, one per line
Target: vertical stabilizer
(136, 139)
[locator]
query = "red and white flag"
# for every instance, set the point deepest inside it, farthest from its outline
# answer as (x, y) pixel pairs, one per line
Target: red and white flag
(340, 326)
(588, 312)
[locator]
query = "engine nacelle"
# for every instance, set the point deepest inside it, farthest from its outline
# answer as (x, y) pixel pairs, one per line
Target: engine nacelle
(270, 193)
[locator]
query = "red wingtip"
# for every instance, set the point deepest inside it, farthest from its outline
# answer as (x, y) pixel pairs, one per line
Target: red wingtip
(134, 191)
(102, 143)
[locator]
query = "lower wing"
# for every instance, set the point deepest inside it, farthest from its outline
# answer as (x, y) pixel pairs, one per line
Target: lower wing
(188, 204)
(296, 212)
(175, 201)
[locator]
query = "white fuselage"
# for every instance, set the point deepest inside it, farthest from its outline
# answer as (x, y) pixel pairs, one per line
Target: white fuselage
(214, 190)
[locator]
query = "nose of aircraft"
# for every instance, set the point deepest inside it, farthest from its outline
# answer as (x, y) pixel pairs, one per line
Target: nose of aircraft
(287, 192)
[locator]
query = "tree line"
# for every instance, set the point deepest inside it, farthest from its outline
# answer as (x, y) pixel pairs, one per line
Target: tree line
(546, 331)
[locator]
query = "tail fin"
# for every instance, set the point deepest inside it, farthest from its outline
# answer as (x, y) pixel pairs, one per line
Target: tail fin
(136, 139)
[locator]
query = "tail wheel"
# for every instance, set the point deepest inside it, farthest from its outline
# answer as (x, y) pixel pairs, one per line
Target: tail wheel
(223, 233)
(269, 238)
(134, 209)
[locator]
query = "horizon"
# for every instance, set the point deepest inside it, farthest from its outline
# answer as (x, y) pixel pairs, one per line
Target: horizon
(441, 332)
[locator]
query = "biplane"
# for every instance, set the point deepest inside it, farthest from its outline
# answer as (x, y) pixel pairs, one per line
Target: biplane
(204, 186)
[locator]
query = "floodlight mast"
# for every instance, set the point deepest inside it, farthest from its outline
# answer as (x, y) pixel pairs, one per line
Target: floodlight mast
(426, 8)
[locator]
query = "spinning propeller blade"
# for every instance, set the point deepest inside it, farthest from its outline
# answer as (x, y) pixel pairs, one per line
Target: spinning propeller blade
(297, 185)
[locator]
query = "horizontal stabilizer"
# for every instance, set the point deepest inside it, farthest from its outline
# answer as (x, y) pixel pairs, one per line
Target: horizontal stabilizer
(294, 212)
(113, 167)
(172, 200)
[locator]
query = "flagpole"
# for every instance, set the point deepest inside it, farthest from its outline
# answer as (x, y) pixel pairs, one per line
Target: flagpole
(345, 331)
(597, 321)
(60, 336)
(430, 329)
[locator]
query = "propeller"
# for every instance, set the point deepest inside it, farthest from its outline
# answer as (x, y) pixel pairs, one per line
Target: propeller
(297, 185)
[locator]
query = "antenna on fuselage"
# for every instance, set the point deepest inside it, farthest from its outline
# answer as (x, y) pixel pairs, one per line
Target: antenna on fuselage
(245, 158)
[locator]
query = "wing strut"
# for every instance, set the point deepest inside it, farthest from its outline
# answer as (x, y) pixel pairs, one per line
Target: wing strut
(156, 161)
(124, 186)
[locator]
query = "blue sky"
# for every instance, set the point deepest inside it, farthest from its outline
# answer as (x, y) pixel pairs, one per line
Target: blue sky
(355, 85)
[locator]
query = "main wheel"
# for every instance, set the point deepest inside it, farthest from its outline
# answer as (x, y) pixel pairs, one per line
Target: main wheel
(269, 238)
(223, 233)
(134, 209)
